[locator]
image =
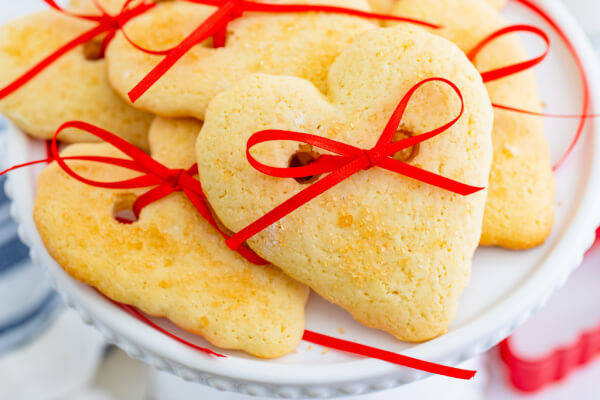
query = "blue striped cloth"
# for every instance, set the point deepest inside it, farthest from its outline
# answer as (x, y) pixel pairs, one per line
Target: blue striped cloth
(27, 303)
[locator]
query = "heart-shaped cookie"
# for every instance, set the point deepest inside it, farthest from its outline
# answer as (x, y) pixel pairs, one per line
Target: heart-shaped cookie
(170, 262)
(75, 87)
(393, 251)
(520, 209)
(303, 45)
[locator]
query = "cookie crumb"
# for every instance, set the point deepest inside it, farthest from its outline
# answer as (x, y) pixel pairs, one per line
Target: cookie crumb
(341, 330)
(325, 351)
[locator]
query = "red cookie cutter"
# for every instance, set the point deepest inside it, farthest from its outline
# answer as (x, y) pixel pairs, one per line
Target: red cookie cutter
(533, 374)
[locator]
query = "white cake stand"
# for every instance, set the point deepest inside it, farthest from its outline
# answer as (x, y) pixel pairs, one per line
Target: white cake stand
(506, 288)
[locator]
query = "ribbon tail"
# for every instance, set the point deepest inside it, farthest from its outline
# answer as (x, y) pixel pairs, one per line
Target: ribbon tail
(394, 358)
(200, 203)
(580, 67)
(46, 62)
(543, 114)
(19, 166)
(428, 177)
(512, 69)
(135, 313)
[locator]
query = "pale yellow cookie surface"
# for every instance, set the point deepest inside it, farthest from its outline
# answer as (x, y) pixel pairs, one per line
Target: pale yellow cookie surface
(394, 252)
(385, 6)
(171, 262)
(72, 88)
(520, 209)
(301, 45)
(91, 6)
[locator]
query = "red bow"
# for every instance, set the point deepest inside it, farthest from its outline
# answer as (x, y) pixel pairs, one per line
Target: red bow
(165, 180)
(106, 24)
(348, 161)
(215, 26)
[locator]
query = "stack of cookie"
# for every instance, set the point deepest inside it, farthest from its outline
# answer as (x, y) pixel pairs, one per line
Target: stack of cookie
(392, 250)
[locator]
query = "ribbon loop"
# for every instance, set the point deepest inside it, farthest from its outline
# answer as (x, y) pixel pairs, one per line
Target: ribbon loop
(512, 69)
(348, 161)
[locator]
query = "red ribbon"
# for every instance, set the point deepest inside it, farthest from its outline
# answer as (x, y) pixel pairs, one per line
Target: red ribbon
(167, 181)
(215, 26)
(106, 24)
(331, 342)
(348, 161)
(524, 65)
(395, 358)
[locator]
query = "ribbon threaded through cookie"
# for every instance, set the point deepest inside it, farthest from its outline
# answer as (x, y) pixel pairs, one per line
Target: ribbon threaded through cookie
(164, 179)
(348, 160)
(106, 24)
(215, 26)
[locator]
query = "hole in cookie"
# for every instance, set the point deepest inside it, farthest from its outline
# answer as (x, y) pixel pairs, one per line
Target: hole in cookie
(409, 153)
(303, 157)
(93, 50)
(123, 209)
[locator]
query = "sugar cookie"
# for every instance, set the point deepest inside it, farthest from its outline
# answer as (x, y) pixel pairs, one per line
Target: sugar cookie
(396, 253)
(171, 262)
